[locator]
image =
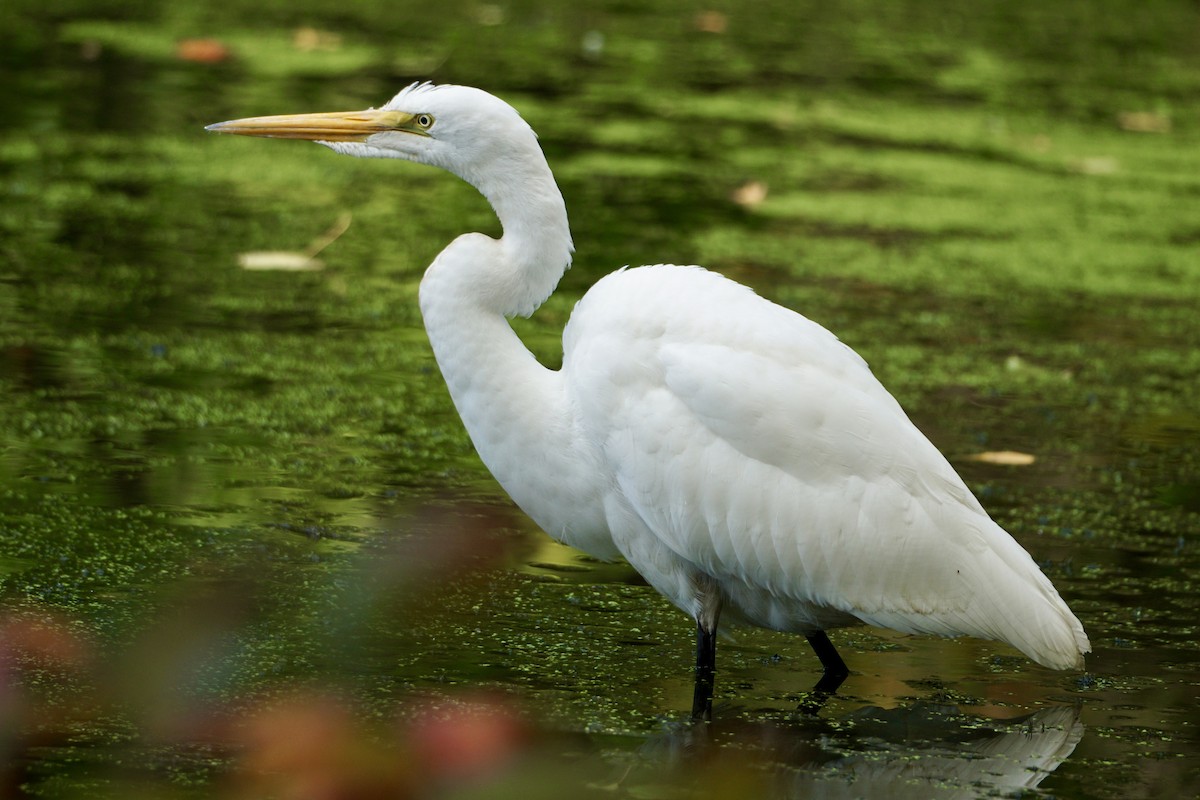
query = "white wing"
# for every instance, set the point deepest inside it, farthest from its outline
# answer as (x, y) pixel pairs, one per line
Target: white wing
(760, 449)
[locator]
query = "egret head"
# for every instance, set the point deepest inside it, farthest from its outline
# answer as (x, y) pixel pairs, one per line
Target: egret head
(458, 128)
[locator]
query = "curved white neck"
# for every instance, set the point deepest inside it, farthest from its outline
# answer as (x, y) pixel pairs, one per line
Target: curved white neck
(516, 411)
(536, 247)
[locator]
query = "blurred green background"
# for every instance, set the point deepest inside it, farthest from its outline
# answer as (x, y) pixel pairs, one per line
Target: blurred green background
(237, 505)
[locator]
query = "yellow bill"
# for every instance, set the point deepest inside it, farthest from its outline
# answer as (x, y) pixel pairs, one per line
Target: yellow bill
(335, 126)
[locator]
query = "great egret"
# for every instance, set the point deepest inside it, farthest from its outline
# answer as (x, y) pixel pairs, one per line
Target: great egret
(738, 455)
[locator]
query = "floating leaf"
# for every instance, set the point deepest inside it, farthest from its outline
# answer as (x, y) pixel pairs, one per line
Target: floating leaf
(1097, 165)
(292, 261)
(711, 22)
(284, 260)
(1007, 458)
(1144, 122)
(750, 194)
(202, 51)
(308, 40)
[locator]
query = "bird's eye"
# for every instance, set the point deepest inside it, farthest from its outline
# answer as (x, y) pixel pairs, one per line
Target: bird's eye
(424, 121)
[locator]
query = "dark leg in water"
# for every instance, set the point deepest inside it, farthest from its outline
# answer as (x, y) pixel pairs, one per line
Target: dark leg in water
(706, 667)
(835, 673)
(835, 668)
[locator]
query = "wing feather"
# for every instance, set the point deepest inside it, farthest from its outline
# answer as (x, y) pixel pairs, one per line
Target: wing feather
(758, 447)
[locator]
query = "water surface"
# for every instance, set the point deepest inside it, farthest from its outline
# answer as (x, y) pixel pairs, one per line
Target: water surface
(236, 505)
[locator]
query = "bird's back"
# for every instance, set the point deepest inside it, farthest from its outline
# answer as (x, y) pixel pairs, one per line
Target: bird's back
(755, 448)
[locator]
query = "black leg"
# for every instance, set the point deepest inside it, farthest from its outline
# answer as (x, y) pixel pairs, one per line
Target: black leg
(835, 668)
(706, 668)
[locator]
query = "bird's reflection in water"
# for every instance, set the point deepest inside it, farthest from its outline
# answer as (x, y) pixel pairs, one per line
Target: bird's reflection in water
(920, 751)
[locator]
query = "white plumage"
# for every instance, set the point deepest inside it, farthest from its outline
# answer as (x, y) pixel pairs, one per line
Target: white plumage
(740, 457)
(753, 446)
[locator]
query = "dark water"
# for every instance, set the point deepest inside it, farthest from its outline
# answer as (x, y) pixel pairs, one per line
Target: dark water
(246, 548)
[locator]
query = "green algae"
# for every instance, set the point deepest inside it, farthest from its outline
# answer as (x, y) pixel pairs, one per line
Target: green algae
(261, 474)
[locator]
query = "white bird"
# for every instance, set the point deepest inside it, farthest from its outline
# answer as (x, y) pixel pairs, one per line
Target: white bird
(740, 457)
